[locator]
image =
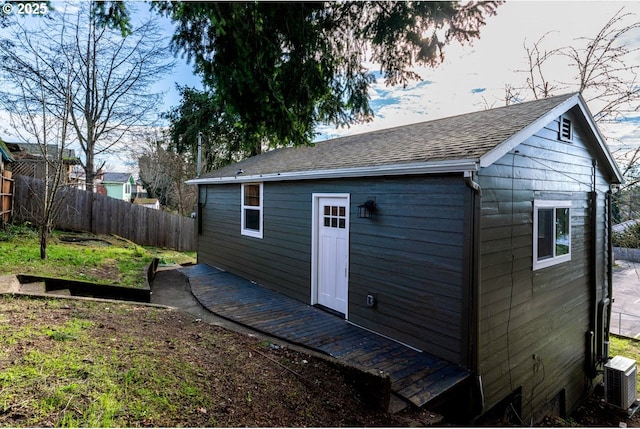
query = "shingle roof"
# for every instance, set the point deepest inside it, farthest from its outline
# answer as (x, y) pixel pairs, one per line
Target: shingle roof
(4, 152)
(52, 149)
(116, 177)
(462, 137)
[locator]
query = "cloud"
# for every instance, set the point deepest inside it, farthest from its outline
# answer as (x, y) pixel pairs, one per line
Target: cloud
(475, 77)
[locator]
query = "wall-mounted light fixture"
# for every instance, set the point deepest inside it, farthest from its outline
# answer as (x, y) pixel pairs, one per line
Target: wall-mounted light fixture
(367, 209)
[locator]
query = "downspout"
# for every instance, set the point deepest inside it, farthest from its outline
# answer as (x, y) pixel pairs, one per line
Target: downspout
(593, 280)
(199, 160)
(605, 356)
(474, 294)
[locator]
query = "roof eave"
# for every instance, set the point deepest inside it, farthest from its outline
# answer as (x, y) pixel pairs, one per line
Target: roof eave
(602, 143)
(509, 144)
(430, 167)
(576, 100)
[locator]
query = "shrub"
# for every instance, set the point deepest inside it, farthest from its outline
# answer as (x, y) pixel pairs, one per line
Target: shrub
(629, 238)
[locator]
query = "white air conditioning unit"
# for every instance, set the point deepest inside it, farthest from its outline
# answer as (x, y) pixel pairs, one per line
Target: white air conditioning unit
(620, 382)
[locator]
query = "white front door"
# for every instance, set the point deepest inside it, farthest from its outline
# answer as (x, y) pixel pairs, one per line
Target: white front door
(332, 253)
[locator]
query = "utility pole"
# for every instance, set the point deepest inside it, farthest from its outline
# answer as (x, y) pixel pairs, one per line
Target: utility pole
(199, 154)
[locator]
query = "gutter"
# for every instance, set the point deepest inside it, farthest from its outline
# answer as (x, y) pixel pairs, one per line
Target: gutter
(473, 335)
(429, 167)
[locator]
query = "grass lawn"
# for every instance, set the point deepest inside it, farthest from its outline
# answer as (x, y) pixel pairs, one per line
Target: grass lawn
(626, 347)
(84, 257)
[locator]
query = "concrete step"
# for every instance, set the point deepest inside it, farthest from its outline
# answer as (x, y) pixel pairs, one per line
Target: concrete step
(60, 292)
(37, 287)
(9, 284)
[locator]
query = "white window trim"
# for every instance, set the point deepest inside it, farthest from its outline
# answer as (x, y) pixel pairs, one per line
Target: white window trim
(243, 229)
(548, 204)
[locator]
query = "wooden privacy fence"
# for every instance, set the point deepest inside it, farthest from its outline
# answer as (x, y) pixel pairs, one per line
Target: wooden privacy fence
(6, 196)
(99, 214)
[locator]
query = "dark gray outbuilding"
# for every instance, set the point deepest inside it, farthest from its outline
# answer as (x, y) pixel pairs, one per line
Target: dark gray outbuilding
(488, 245)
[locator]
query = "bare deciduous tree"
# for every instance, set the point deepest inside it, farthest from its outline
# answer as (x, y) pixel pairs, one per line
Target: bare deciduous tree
(111, 74)
(35, 118)
(537, 82)
(163, 173)
(605, 71)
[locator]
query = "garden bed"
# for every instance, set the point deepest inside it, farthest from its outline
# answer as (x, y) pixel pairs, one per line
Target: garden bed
(94, 289)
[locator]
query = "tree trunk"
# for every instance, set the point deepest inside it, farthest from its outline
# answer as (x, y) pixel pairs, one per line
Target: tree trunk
(44, 234)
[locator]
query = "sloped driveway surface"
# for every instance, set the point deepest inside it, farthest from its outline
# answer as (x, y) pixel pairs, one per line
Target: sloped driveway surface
(625, 311)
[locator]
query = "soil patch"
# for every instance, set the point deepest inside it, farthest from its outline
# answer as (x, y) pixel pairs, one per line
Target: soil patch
(595, 413)
(84, 239)
(86, 363)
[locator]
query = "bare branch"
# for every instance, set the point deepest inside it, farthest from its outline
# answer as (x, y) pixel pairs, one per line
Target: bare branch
(109, 75)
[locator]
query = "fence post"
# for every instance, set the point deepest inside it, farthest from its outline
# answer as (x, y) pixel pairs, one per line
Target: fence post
(619, 323)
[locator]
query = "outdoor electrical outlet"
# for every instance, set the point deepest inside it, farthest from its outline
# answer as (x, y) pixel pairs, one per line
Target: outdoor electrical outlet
(537, 363)
(371, 300)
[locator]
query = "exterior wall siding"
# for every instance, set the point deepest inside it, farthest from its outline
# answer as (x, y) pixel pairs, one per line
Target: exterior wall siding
(410, 256)
(115, 190)
(533, 323)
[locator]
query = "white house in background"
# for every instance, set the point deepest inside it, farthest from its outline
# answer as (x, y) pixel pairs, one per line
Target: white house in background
(622, 227)
(77, 177)
(151, 203)
(116, 185)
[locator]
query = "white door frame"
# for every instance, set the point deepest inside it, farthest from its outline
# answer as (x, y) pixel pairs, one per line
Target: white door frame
(315, 228)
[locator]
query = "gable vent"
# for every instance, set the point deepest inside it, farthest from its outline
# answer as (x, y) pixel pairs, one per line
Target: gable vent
(566, 129)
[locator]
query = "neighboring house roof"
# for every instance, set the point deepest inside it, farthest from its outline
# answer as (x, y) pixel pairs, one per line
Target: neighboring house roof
(622, 227)
(145, 201)
(36, 150)
(4, 152)
(116, 178)
(454, 144)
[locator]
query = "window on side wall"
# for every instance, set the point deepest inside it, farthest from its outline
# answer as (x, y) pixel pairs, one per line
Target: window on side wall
(551, 232)
(251, 202)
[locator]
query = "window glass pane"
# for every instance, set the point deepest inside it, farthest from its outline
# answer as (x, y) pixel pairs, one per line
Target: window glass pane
(334, 210)
(563, 240)
(327, 220)
(341, 223)
(327, 210)
(252, 195)
(545, 233)
(252, 219)
(342, 211)
(334, 222)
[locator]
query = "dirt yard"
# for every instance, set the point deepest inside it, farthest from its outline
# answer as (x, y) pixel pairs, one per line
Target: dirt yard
(79, 363)
(84, 363)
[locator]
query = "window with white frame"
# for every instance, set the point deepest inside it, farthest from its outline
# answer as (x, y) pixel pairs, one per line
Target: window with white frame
(251, 213)
(551, 233)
